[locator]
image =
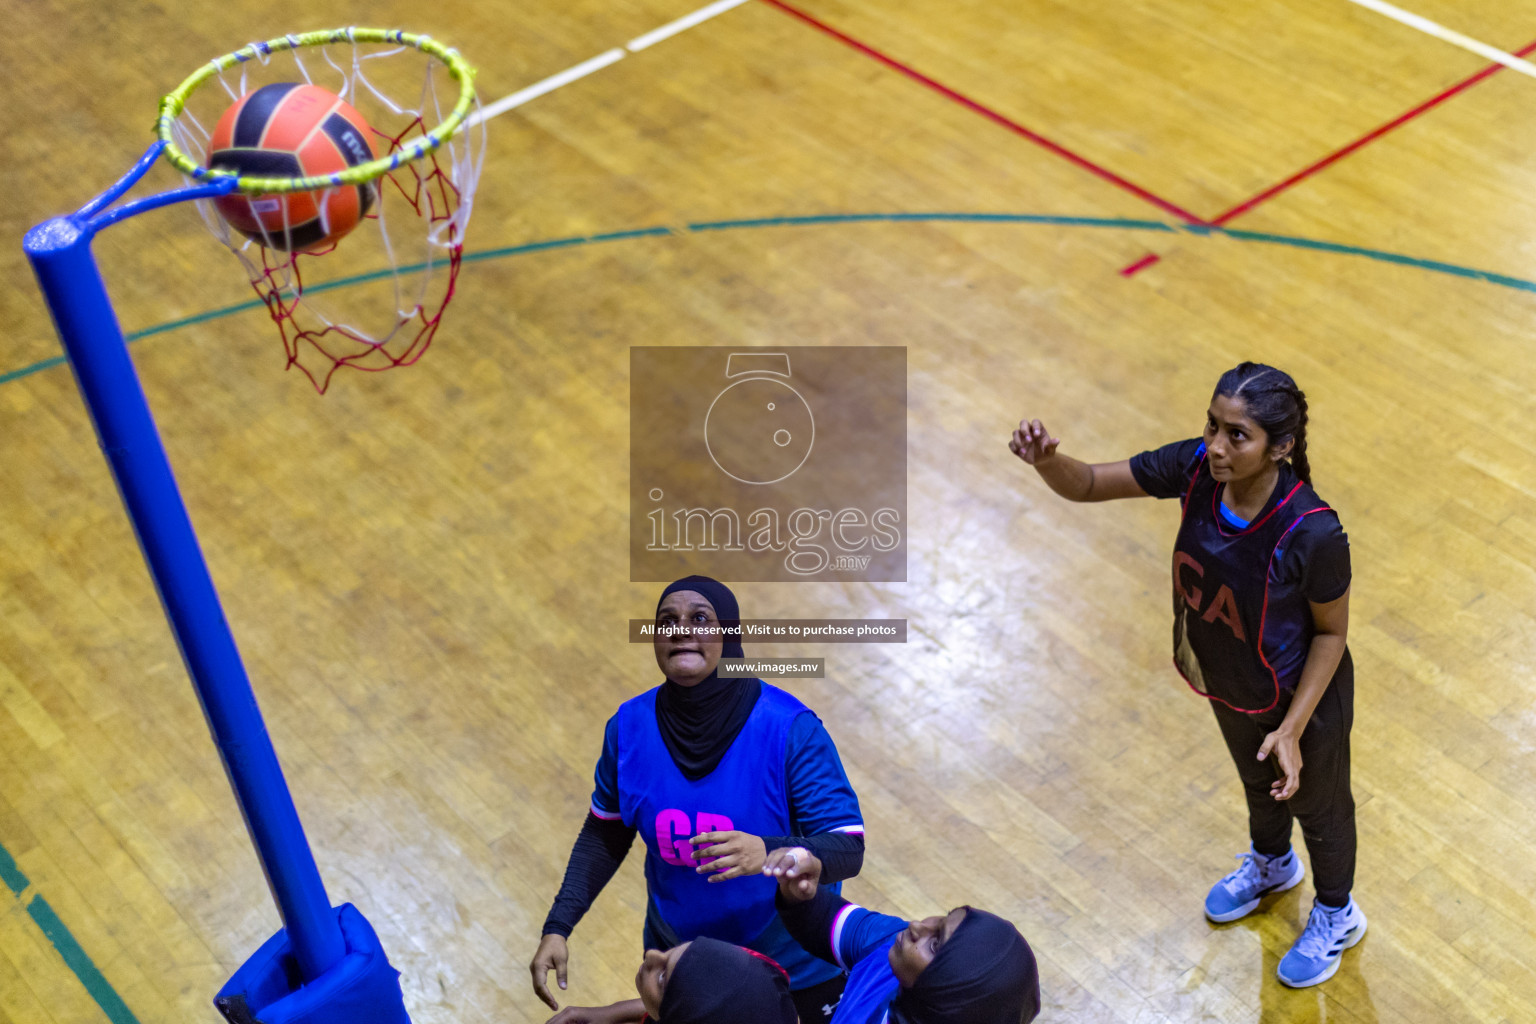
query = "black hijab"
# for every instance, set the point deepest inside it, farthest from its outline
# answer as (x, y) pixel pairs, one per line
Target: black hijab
(699, 723)
(715, 981)
(984, 974)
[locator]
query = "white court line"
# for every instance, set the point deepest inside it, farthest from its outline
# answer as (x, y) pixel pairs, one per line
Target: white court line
(549, 84)
(1439, 31)
(682, 24)
(601, 61)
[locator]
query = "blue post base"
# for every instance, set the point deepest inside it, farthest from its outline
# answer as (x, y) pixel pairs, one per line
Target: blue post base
(362, 986)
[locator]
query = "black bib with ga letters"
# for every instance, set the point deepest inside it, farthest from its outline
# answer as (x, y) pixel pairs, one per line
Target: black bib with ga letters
(1241, 634)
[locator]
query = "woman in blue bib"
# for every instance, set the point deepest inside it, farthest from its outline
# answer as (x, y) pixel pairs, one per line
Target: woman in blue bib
(966, 967)
(1261, 581)
(712, 773)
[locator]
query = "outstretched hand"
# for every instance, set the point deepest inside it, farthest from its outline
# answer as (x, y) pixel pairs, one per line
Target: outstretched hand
(723, 855)
(631, 1011)
(798, 871)
(1033, 443)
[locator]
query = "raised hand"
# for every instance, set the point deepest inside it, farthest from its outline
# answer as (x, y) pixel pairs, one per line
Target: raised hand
(1033, 443)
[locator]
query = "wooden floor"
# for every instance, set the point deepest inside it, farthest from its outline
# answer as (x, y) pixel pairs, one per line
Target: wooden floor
(427, 570)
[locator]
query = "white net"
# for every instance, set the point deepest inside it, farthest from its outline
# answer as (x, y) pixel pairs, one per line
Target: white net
(402, 235)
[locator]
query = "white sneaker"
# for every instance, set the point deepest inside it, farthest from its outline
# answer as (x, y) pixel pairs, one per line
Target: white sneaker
(1316, 955)
(1238, 894)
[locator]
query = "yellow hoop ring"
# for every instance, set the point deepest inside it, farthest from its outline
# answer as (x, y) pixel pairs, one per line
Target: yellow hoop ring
(172, 105)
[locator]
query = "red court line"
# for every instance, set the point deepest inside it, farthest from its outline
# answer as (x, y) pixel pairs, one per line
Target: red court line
(1241, 208)
(990, 114)
(1339, 154)
(1141, 264)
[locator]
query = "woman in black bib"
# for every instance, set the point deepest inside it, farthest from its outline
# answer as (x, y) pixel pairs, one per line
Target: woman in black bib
(1260, 613)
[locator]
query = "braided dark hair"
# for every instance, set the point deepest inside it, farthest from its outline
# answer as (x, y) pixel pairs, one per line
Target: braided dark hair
(1275, 403)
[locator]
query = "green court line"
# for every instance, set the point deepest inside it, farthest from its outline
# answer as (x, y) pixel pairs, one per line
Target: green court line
(981, 218)
(560, 243)
(212, 314)
(96, 985)
(27, 371)
(1438, 267)
(697, 227)
(10, 874)
(100, 989)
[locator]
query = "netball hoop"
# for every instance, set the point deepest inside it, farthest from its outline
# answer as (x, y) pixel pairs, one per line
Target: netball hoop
(325, 965)
(419, 192)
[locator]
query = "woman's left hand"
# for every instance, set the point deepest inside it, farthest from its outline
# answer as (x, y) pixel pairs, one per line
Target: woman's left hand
(618, 1013)
(728, 854)
(1284, 747)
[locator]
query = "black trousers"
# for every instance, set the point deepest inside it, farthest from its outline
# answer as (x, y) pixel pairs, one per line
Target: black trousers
(1323, 803)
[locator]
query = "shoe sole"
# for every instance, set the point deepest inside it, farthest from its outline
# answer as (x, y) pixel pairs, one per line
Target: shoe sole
(1253, 904)
(1350, 941)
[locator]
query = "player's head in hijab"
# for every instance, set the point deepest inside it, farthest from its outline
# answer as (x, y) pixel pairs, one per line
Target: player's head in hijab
(700, 714)
(707, 981)
(967, 967)
(697, 624)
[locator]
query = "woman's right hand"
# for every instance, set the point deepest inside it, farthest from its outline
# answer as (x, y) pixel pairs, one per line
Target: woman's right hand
(1033, 443)
(551, 956)
(797, 869)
